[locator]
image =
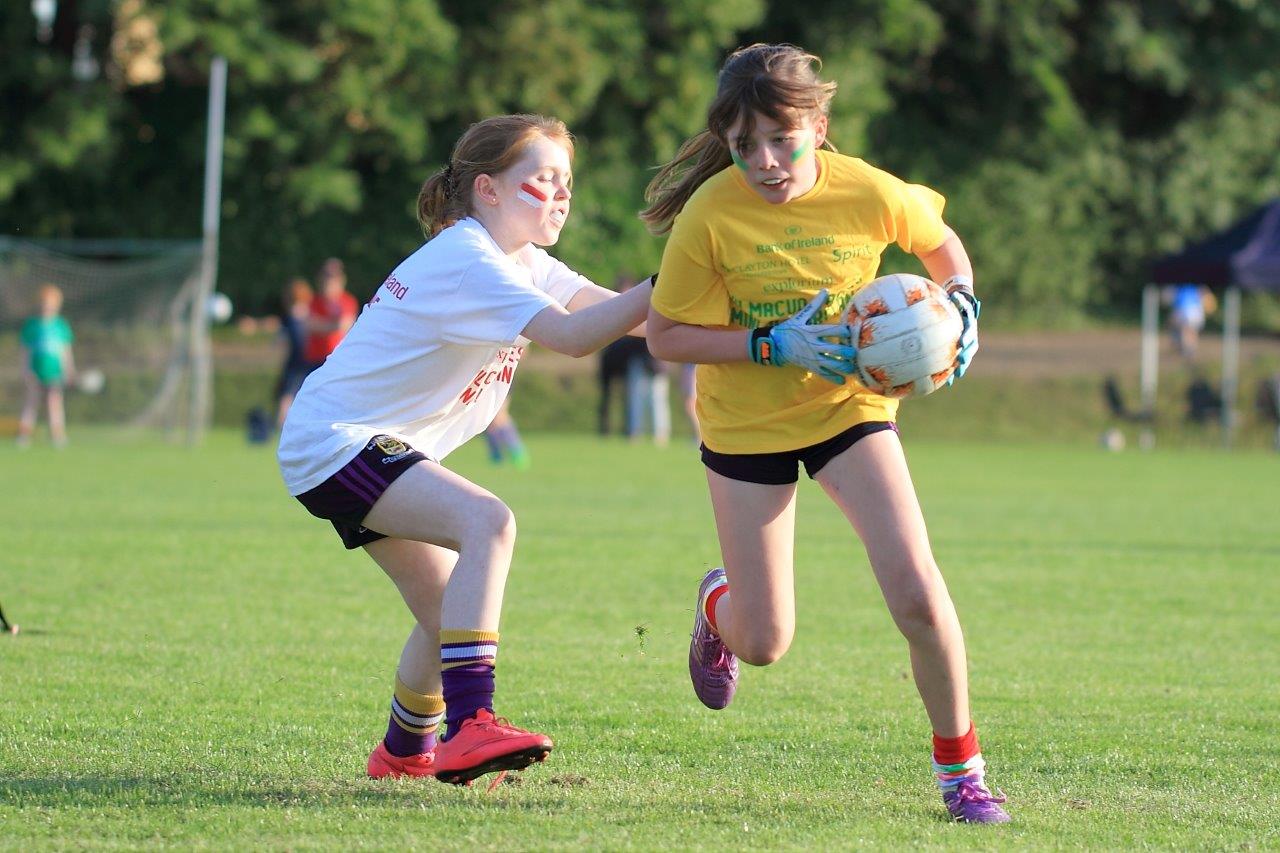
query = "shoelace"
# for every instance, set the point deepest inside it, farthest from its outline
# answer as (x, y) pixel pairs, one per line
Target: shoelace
(504, 724)
(974, 793)
(724, 659)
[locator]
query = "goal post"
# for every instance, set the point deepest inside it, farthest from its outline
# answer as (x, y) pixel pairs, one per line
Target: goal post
(139, 308)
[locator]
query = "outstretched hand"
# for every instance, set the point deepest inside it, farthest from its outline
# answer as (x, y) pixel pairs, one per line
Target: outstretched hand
(824, 349)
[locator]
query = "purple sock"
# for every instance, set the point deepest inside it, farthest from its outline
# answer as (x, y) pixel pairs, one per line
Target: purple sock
(467, 689)
(402, 744)
(411, 729)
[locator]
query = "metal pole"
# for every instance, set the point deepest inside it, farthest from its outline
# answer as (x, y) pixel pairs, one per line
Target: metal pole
(1230, 361)
(1150, 364)
(201, 351)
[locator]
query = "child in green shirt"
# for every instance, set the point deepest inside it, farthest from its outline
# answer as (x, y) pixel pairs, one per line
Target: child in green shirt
(46, 339)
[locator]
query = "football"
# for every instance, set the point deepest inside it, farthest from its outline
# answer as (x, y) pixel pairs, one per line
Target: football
(219, 307)
(90, 381)
(907, 334)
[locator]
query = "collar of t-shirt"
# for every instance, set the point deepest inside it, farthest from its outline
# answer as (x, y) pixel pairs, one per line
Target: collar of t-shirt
(523, 257)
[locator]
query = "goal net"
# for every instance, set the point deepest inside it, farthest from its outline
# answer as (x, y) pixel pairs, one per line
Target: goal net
(132, 307)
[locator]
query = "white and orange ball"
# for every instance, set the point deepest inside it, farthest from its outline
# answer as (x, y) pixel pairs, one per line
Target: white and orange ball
(907, 334)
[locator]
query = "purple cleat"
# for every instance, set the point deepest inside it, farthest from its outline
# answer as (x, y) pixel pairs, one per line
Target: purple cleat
(712, 667)
(971, 802)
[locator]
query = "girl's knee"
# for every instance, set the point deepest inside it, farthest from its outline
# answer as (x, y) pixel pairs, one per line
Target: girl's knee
(494, 521)
(922, 613)
(763, 647)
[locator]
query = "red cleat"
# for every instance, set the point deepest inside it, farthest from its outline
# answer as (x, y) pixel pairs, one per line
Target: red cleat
(384, 765)
(487, 744)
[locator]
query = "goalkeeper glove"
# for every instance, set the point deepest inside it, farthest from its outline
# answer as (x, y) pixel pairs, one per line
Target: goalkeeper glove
(959, 290)
(826, 350)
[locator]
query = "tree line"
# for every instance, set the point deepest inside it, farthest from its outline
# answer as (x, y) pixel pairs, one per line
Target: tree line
(1074, 139)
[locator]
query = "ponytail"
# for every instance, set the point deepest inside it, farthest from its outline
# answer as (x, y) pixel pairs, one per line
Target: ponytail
(439, 205)
(698, 159)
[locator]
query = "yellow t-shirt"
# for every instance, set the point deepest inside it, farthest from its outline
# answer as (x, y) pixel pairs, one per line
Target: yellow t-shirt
(736, 261)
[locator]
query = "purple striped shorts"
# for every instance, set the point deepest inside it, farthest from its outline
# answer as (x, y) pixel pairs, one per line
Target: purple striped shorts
(346, 498)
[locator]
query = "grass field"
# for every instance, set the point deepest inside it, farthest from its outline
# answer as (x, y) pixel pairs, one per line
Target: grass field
(202, 666)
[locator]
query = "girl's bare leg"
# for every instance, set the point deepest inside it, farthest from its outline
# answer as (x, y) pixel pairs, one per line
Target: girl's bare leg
(872, 486)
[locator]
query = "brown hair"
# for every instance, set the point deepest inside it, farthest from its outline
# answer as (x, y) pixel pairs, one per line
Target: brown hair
(487, 148)
(776, 80)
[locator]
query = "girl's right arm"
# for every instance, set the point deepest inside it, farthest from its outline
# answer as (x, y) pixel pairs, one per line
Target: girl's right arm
(672, 341)
(824, 349)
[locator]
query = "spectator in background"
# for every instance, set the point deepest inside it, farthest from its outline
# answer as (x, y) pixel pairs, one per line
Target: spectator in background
(48, 365)
(333, 310)
(689, 398)
(503, 440)
(649, 400)
(646, 397)
(1189, 305)
(295, 309)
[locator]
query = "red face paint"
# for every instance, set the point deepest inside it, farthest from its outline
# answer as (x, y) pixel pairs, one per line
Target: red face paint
(532, 196)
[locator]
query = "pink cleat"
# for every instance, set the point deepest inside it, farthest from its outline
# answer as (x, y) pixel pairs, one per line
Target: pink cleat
(384, 765)
(487, 744)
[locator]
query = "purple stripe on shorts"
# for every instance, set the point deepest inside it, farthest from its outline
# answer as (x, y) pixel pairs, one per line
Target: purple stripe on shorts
(374, 475)
(359, 489)
(373, 483)
(357, 476)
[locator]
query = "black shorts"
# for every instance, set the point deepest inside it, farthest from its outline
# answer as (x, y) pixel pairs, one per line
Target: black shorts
(346, 498)
(780, 469)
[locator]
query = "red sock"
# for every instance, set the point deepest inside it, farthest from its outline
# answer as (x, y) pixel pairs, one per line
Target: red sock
(709, 609)
(956, 750)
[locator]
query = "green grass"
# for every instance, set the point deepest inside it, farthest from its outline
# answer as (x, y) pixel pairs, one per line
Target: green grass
(202, 666)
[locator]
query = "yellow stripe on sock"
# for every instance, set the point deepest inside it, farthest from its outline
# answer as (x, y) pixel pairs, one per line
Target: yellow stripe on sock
(467, 635)
(419, 704)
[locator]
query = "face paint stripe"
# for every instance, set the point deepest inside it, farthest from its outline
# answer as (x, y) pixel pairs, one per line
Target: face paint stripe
(738, 161)
(531, 196)
(802, 150)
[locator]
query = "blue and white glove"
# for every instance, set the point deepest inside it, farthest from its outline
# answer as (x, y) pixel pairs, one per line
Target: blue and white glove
(826, 350)
(959, 290)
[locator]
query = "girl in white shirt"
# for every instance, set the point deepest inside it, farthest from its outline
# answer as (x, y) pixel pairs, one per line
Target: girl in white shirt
(426, 367)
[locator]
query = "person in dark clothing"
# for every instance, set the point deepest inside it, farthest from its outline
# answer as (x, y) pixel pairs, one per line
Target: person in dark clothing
(624, 358)
(293, 329)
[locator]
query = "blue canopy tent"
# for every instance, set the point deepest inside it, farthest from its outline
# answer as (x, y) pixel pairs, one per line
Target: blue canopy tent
(1245, 256)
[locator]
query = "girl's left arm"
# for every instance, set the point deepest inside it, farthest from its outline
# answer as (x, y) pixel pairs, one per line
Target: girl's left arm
(948, 260)
(949, 266)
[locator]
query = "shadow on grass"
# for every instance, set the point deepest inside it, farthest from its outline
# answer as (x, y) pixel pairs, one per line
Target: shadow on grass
(193, 790)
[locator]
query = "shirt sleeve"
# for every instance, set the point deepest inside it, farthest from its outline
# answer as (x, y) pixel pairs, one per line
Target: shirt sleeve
(494, 301)
(917, 216)
(64, 328)
(555, 278)
(689, 288)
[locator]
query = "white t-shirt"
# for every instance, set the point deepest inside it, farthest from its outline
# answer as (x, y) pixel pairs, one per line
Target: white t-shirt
(431, 357)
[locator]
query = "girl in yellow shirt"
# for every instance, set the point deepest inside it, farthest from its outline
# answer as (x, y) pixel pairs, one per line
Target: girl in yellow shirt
(771, 234)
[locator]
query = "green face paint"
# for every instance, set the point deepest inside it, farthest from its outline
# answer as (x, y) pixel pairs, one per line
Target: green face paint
(802, 150)
(738, 161)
